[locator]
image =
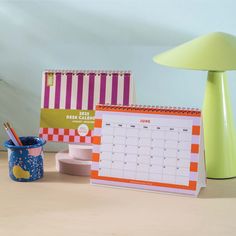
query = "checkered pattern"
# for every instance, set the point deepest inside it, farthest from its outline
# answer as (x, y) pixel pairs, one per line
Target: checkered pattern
(64, 135)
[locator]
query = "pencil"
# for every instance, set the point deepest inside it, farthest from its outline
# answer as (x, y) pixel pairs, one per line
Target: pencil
(11, 136)
(15, 135)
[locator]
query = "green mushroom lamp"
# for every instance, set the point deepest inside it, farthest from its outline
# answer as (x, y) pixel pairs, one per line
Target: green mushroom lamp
(215, 53)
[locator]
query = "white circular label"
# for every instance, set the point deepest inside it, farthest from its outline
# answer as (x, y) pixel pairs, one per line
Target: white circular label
(83, 130)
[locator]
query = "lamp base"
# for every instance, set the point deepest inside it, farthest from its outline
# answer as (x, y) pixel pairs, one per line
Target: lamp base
(219, 131)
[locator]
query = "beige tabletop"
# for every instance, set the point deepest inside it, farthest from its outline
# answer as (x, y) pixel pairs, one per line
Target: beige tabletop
(68, 205)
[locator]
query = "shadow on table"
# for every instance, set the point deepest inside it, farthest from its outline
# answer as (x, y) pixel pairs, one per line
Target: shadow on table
(225, 188)
(56, 177)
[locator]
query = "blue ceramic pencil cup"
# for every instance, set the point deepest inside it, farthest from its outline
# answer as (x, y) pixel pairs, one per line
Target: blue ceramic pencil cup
(26, 162)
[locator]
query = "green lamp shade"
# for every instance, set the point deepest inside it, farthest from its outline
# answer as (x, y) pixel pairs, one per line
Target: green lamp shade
(216, 53)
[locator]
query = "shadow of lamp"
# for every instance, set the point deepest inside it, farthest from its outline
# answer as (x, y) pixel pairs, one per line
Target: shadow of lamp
(215, 53)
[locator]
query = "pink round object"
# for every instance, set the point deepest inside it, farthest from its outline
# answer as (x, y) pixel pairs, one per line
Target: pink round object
(71, 166)
(80, 151)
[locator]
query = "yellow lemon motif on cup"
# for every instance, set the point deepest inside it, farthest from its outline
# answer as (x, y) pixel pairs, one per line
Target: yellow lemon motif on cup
(19, 173)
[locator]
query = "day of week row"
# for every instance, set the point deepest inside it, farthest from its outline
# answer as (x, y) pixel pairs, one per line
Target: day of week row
(147, 134)
(152, 127)
(155, 127)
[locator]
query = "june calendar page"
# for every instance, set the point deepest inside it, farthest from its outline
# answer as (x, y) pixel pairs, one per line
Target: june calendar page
(147, 149)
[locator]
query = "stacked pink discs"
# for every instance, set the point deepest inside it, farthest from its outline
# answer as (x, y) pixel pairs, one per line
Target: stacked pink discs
(76, 161)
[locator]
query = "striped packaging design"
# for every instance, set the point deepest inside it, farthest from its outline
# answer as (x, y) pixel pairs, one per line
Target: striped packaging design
(79, 90)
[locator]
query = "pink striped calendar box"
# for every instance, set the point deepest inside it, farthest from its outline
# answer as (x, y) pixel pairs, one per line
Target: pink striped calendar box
(69, 99)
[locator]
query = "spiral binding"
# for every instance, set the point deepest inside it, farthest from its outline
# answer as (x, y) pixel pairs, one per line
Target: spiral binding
(134, 107)
(97, 72)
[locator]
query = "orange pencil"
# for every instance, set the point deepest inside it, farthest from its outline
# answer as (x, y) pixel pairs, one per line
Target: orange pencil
(14, 134)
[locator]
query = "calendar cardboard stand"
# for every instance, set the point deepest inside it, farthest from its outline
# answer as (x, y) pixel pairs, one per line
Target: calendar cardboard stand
(149, 148)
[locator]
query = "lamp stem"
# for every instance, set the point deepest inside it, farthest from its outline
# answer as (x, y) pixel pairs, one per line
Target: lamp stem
(219, 130)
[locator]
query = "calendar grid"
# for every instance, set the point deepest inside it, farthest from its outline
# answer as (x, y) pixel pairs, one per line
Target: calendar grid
(112, 170)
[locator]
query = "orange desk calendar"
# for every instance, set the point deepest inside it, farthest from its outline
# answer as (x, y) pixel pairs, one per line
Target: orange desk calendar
(149, 148)
(69, 98)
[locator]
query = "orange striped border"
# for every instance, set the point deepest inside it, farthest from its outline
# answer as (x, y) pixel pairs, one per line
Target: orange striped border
(96, 140)
(192, 184)
(193, 166)
(196, 130)
(195, 148)
(98, 123)
(95, 157)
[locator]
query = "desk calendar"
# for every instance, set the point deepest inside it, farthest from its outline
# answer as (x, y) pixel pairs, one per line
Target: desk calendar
(69, 98)
(150, 148)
